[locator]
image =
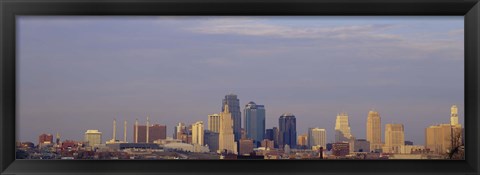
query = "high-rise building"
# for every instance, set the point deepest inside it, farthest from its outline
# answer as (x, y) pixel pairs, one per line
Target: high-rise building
(45, 139)
(287, 130)
(317, 137)
(438, 138)
(342, 128)
(211, 139)
(362, 145)
(214, 123)
(269, 134)
(179, 130)
(454, 115)
(302, 141)
(254, 122)
(272, 134)
(234, 107)
(93, 137)
(226, 136)
(374, 130)
(276, 137)
(198, 133)
(394, 138)
(155, 132)
(246, 147)
(268, 144)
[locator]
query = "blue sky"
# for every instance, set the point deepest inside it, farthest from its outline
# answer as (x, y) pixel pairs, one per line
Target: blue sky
(79, 73)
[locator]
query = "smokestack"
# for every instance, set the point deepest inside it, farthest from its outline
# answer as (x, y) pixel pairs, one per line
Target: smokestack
(125, 131)
(114, 129)
(136, 130)
(148, 126)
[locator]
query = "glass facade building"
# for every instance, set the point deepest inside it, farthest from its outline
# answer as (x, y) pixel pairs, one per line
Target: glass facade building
(287, 130)
(254, 122)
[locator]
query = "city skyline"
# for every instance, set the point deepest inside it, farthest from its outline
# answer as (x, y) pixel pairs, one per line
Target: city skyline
(314, 83)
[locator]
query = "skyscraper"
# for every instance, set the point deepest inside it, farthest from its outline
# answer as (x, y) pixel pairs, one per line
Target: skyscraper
(276, 137)
(374, 130)
(269, 134)
(179, 130)
(342, 128)
(317, 137)
(234, 107)
(93, 137)
(438, 138)
(198, 133)
(246, 147)
(226, 136)
(214, 123)
(45, 138)
(254, 122)
(211, 139)
(394, 138)
(155, 132)
(454, 115)
(287, 130)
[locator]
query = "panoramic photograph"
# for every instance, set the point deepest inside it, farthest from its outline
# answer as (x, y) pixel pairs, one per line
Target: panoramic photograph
(231, 87)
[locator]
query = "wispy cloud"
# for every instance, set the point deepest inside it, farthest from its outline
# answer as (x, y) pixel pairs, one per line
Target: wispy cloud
(250, 27)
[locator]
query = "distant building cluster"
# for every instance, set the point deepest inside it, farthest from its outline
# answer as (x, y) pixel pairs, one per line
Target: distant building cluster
(224, 138)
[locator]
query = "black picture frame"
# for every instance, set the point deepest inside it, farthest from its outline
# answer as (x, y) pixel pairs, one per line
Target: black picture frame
(9, 9)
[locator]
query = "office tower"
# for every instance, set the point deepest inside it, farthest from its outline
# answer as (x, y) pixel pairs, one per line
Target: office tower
(276, 136)
(269, 134)
(374, 130)
(268, 144)
(246, 147)
(214, 123)
(254, 122)
(317, 137)
(394, 138)
(342, 128)
(211, 139)
(454, 115)
(287, 130)
(45, 139)
(125, 131)
(179, 130)
(93, 137)
(234, 107)
(302, 141)
(362, 145)
(226, 136)
(155, 132)
(244, 133)
(438, 138)
(198, 133)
